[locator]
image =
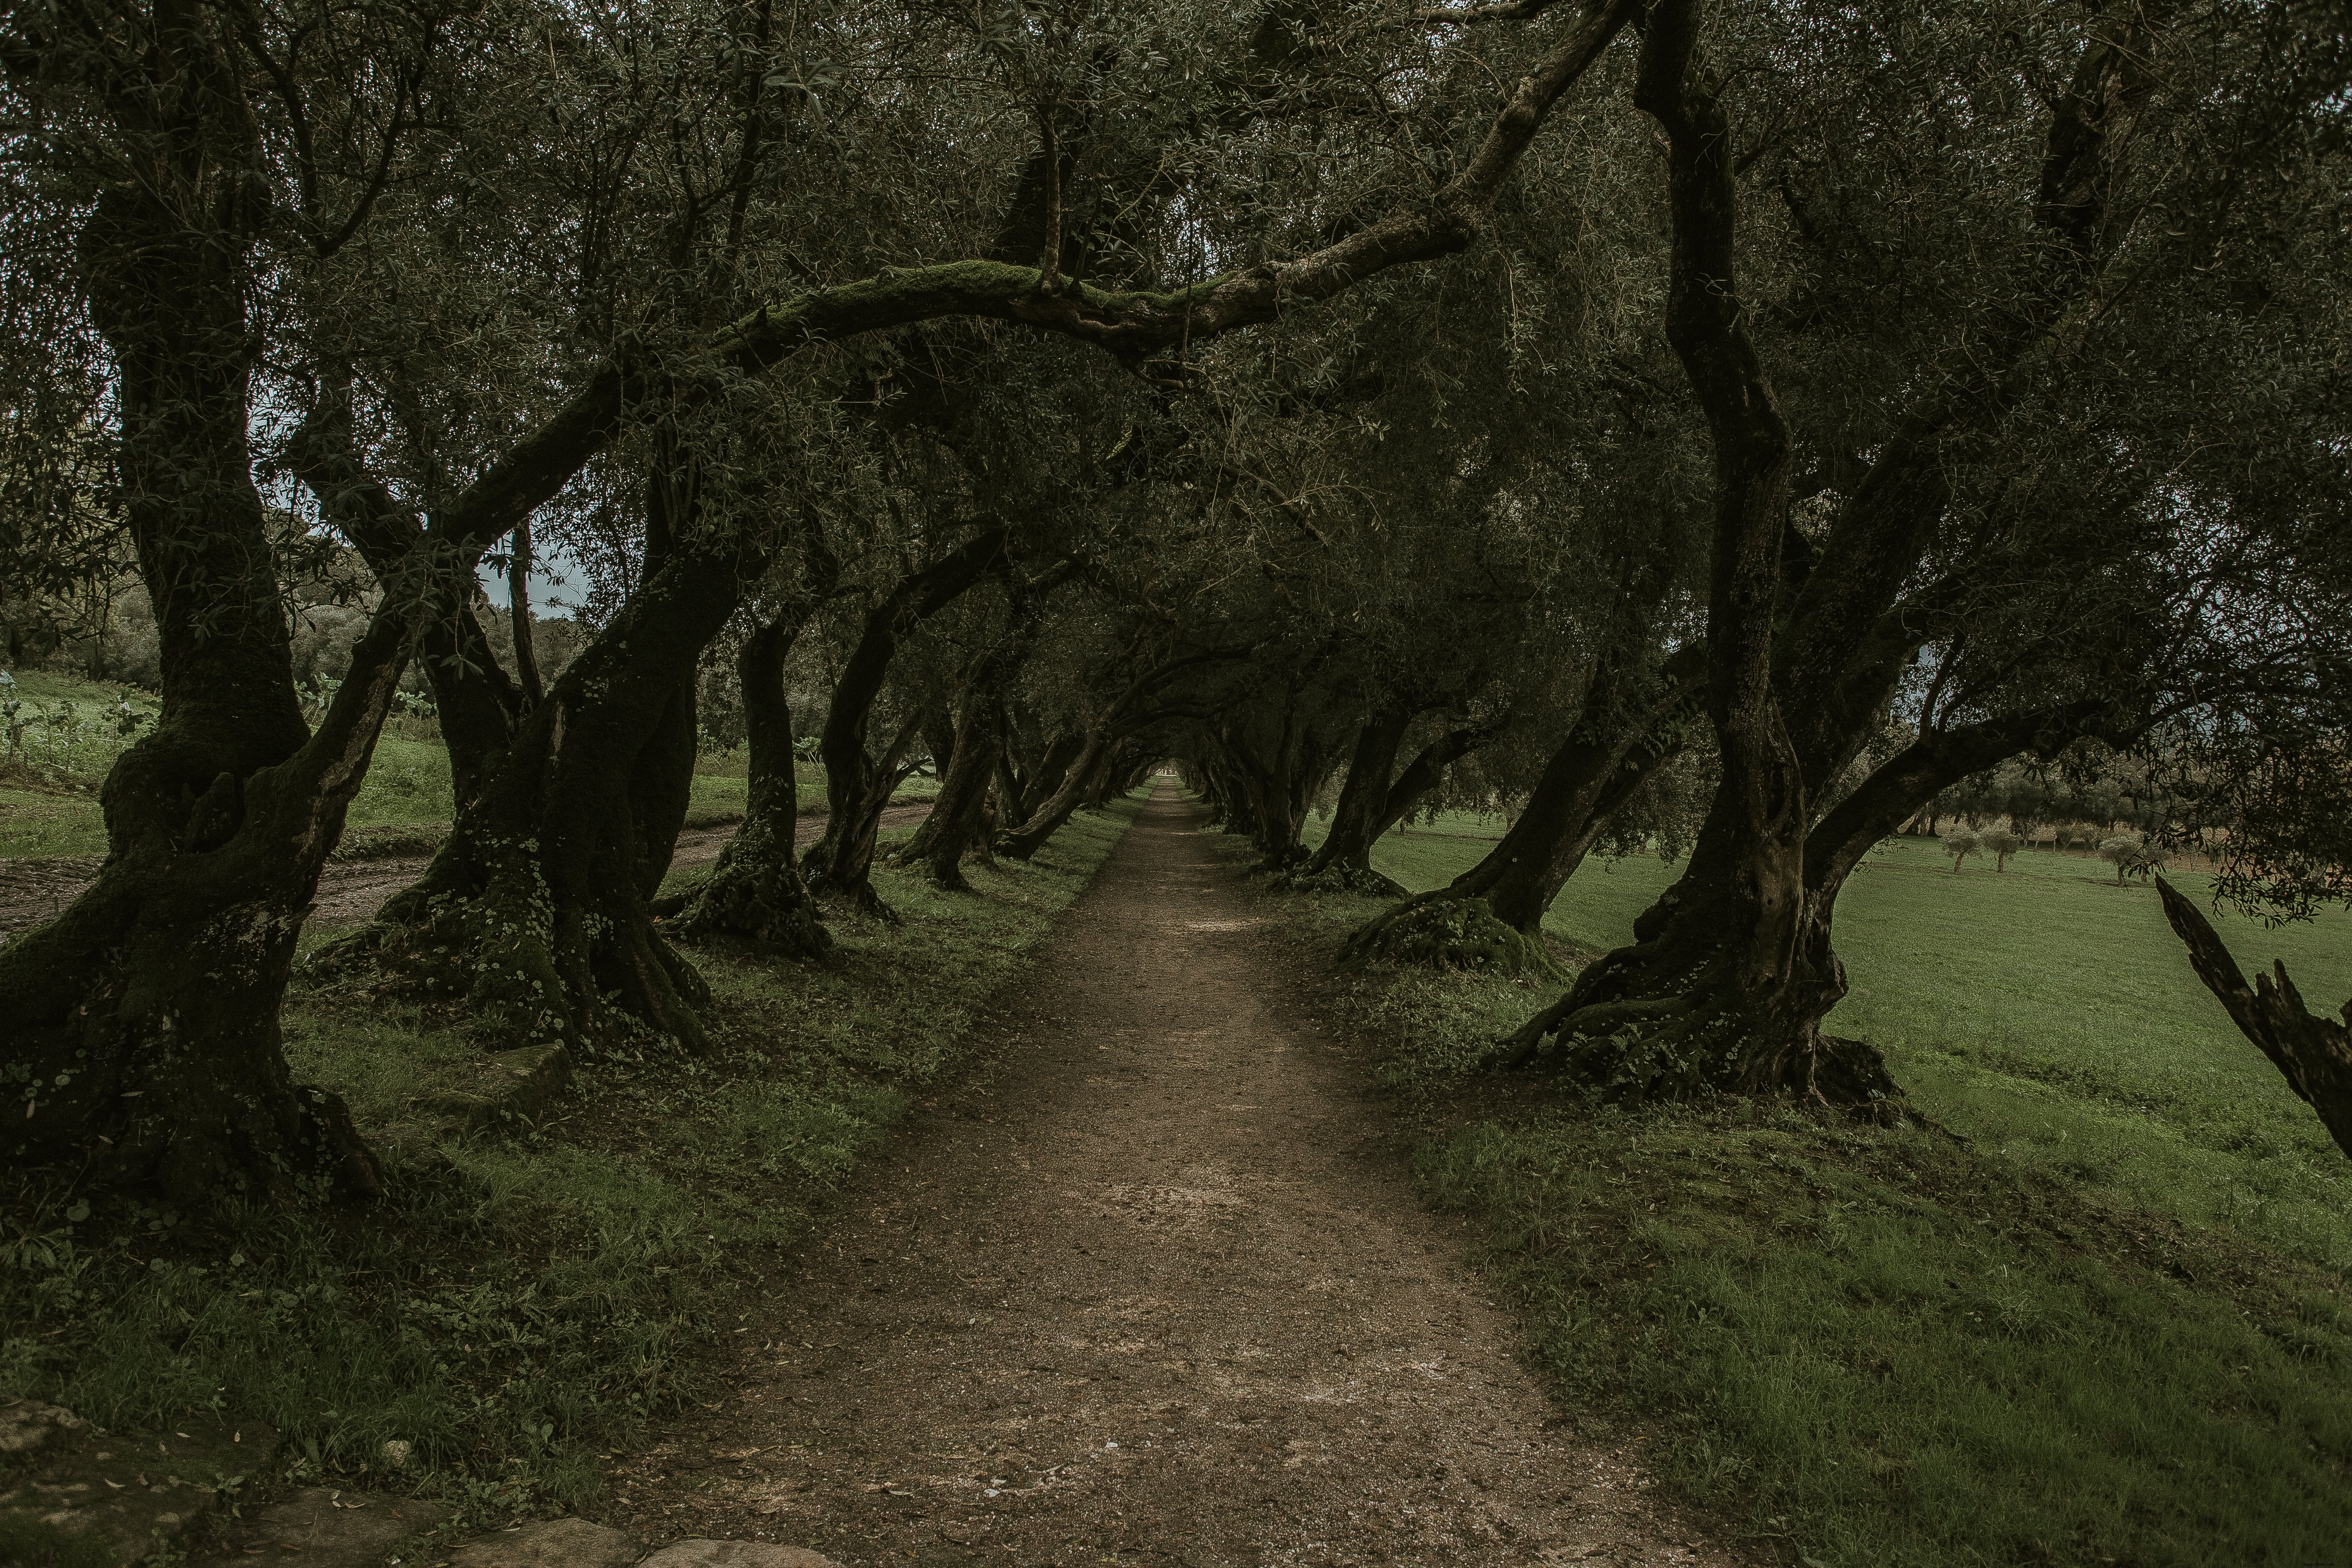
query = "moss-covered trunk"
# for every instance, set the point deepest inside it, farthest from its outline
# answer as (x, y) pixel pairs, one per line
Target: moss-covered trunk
(538, 908)
(755, 892)
(143, 1033)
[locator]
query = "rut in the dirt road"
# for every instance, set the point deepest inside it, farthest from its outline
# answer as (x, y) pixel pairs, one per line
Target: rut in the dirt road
(1157, 1292)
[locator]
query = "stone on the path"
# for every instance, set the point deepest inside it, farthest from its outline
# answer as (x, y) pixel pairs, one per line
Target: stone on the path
(27, 1426)
(736, 1555)
(114, 1499)
(556, 1543)
(320, 1528)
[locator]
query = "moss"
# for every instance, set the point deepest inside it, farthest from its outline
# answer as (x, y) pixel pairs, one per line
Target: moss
(1450, 933)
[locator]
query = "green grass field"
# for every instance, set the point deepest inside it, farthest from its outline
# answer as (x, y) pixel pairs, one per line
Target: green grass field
(2047, 1011)
(2102, 1319)
(48, 796)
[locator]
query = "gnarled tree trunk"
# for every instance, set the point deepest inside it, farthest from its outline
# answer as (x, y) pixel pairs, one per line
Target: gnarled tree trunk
(2313, 1053)
(958, 824)
(539, 907)
(143, 1031)
(1732, 970)
(857, 785)
(755, 891)
(1355, 819)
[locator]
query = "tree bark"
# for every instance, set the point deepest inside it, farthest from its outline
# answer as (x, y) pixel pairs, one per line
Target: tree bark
(1025, 841)
(1732, 970)
(755, 892)
(538, 908)
(2314, 1053)
(857, 784)
(1035, 786)
(956, 825)
(1618, 743)
(526, 650)
(1427, 770)
(143, 1030)
(1356, 821)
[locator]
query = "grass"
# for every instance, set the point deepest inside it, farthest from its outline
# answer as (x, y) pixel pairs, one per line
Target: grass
(2107, 1322)
(49, 795)
(524, 1299)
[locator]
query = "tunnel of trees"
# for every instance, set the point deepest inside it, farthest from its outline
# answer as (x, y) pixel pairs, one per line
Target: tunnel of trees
(1732, 431)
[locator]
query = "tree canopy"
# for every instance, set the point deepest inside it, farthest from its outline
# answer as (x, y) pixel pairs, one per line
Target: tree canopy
(1725, 427)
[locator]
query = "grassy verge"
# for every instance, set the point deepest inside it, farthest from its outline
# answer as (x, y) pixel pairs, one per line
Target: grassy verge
(2108, 1324)
(525, 1298)
(48, 796)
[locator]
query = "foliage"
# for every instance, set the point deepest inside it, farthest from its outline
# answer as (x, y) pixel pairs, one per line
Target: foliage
(1451, 933)
(1999, 843)
(2131, 857)
(1961, 845)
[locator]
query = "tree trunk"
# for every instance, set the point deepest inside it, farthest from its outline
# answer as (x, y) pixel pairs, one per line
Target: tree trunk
(1356, 821)
(755, 891)
(957, 824)
(857, 784)
(1036, 785)
(1732, 970)
(538, 908)
(143, 1020)
(1025, 840)
(938, 739)
(519, 621)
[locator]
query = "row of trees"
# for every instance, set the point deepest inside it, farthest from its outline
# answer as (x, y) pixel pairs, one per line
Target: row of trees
(1737, 425)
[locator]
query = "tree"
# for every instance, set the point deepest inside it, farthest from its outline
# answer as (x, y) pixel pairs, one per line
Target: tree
(645, 393)
(1821, 617)
(2000, 843)
(1961, 845)
(2314, 1053)
(2128, 855)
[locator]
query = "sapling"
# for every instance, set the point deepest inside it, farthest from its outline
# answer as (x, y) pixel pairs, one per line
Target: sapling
(2000, 843)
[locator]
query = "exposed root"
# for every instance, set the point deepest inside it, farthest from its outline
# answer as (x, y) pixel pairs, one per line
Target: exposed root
(1689, 1045)
(1449, 933)
(765, 906)
(1338, 878)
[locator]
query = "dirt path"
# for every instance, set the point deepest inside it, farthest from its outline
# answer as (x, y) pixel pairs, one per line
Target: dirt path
(350, 892)
(1156, 1292)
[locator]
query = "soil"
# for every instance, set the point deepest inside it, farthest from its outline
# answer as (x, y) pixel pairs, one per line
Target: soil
(1152, 1288)
(350, 892)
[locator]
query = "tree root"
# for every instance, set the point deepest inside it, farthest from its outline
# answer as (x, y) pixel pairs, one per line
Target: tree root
(1336, 880)
(1440, 933)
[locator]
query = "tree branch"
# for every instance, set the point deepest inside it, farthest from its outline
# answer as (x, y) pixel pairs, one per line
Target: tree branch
(2314, 1054)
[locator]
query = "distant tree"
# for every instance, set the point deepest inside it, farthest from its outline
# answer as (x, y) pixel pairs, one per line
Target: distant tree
(2001, 843)
(1961, 845)
(2128, 855)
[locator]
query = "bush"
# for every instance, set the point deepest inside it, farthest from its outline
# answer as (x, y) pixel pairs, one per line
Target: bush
(1961, 845)
(2000, 843)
